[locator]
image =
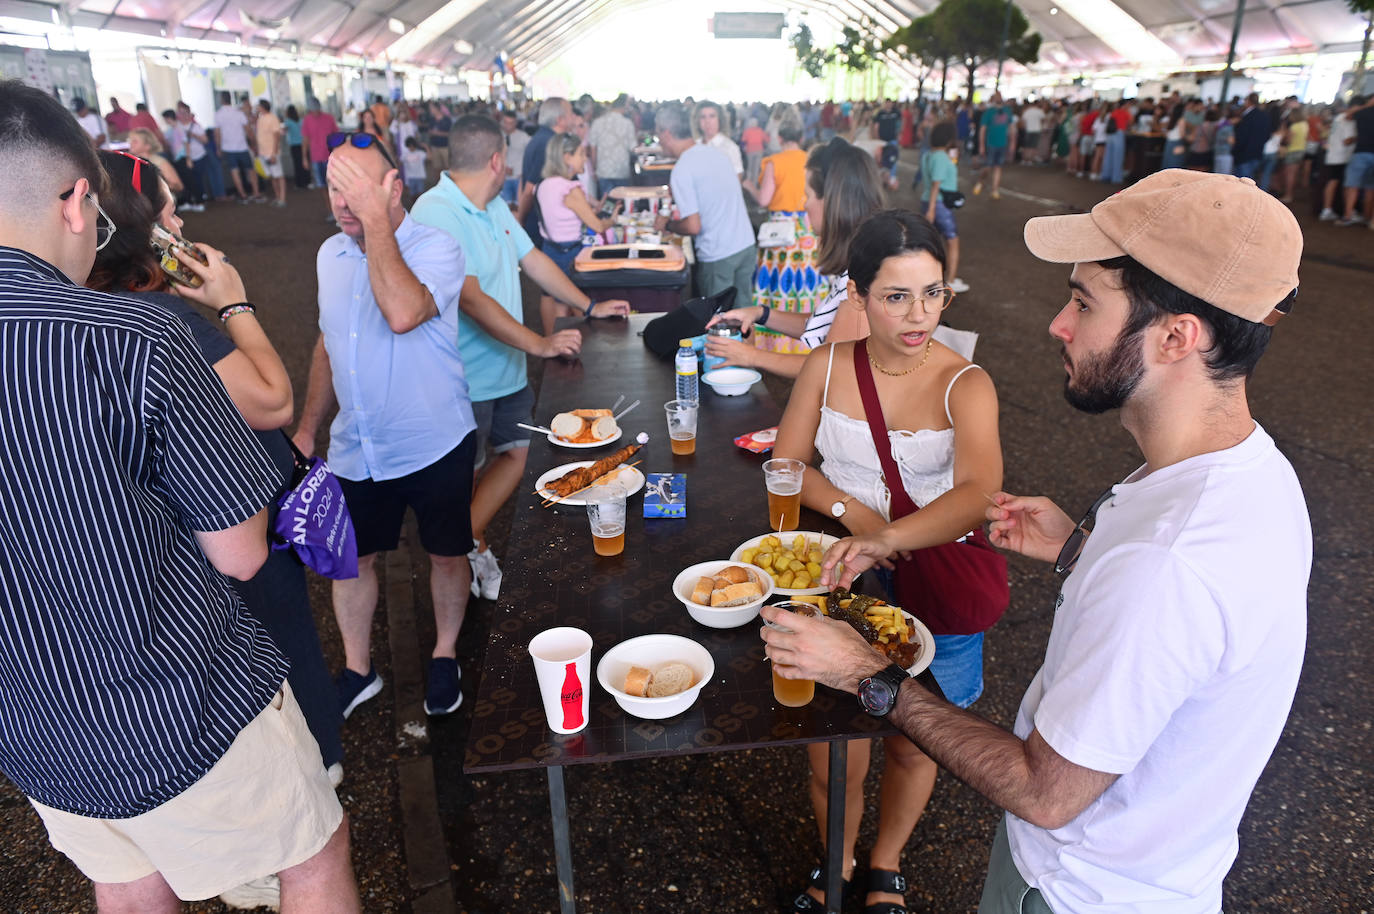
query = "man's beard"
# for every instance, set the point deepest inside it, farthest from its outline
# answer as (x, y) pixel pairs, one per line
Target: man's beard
(1105, 381)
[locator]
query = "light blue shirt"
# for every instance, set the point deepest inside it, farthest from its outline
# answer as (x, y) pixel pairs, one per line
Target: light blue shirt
(493, 244)
(704, 182)
(403, 399)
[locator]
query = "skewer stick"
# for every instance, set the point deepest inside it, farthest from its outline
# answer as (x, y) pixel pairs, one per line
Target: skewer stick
(561, 498)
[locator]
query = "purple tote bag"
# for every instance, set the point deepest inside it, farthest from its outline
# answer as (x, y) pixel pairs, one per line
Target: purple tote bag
(313, 520)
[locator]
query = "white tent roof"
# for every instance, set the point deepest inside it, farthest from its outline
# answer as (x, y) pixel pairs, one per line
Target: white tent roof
(1077, 33)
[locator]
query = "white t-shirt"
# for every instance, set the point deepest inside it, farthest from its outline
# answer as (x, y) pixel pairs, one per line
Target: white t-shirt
(1033, 118)
(92, 124)
(1172, 661)
(730, 148)
(1338, 152)
(233, 129)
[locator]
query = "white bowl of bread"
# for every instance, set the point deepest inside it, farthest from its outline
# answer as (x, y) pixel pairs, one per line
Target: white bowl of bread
(655, 676)
(722, 594)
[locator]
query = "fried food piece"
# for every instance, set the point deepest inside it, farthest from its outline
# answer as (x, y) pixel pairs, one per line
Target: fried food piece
(577, 480)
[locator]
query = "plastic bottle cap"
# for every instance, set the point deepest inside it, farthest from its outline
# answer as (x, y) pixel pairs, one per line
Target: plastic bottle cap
(687, 344)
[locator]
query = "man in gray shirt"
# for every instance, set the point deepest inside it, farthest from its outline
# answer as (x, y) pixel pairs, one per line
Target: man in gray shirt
(611, 142)
(710, 207)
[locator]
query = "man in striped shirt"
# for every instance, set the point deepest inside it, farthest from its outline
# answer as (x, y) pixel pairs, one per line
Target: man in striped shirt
(142, 711)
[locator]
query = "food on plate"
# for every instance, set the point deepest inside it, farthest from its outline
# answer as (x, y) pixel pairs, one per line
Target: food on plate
(731, 586)
(794, 562)
(669, 679)
(882, 625)
(578, 479)
(584, 426)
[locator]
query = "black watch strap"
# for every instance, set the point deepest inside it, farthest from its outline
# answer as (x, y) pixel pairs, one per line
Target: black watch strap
(763, 318)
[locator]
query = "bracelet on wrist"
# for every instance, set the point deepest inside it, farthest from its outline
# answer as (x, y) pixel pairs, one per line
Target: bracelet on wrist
(762, 320)
(242, 307)
(587, 311)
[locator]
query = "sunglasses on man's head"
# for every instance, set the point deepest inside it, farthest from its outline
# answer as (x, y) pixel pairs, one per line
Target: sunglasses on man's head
(359, 141)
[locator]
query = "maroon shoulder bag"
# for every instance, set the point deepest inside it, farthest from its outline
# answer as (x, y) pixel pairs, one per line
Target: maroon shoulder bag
(955, 588)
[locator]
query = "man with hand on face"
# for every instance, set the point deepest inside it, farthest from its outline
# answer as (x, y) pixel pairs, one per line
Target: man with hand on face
(1179, 629)
(492, 336)
(404, 434)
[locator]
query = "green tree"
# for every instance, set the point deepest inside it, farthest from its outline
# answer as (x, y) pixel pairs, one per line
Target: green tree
(1366, 8)
(972, 30)
(812, 59)
(922, 42)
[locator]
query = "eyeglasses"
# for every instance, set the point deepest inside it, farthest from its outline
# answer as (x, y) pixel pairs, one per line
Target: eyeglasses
(1073, 546)
(359, 141)
(932, 301)
(137, 179)
(104, 226)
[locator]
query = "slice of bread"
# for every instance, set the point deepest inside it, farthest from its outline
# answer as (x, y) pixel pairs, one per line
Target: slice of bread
(733, 574)
(566, 425)
(670, 679)
(702, 592)
(736, 594)
(604, 427)
(637, 681)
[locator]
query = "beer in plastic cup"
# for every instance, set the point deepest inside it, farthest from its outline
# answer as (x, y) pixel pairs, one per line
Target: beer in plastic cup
(606, 514)
(792, 693)
(783, 476)
(563, 664)
(682, 425)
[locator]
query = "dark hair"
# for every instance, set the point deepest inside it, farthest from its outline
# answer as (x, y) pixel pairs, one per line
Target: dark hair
(474, 139)
(941, 135)
(33, 123)
(264, 104)
(1237, 343)
(292, 114)
(225, 98)
(890, 233)
(169, 113)
(847, 179)
(128, 262)
(140, 107)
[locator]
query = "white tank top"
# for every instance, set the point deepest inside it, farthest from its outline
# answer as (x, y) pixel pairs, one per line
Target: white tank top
(924, 457)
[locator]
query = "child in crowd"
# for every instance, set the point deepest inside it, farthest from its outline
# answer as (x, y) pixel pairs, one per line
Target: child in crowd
(413, 161)
(940, 176)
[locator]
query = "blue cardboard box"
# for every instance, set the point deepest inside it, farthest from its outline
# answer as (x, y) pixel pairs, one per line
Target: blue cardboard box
(665, 495)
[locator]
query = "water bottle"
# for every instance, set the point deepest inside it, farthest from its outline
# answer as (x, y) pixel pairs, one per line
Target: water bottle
(686, 365)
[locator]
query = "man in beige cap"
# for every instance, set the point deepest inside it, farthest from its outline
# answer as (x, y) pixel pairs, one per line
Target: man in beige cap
(1179, 628)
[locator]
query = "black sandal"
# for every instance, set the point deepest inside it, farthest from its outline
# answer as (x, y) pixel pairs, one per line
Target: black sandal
(886, 881)
(805, 903)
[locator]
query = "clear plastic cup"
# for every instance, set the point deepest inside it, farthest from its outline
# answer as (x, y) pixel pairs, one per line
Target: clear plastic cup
(682, 425)
(606, 515)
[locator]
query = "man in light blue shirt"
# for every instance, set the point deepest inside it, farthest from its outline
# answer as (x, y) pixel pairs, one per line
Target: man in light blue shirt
(492, 337)
(404, 435)
(710, 207)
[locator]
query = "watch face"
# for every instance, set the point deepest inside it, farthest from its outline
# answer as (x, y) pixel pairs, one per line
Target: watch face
(837, 509)
(876, 696)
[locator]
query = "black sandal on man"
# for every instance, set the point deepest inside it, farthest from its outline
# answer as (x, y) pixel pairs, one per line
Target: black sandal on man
(886, 881)
(806, 903)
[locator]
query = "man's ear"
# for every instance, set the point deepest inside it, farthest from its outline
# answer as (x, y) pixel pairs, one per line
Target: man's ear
(74, 211)
(1180, 335)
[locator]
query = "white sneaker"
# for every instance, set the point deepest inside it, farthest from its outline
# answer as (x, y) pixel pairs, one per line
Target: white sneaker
(486, 574)
(1328, 215)
(335, 772)
(260, 893)
(958, 286)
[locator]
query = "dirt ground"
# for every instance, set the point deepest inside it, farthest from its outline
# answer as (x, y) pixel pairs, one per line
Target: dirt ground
(734, 832)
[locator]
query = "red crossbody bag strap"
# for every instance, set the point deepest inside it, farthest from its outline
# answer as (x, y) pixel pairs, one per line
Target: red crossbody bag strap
(901, 503)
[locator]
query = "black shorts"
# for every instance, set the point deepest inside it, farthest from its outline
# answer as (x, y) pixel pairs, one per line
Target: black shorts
(440, 494)
(1335, 172)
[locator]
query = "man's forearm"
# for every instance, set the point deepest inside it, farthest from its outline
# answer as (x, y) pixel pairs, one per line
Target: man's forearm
(554, 281)
(488, 313)
(319, 391)
(680, 227)
(401, 297)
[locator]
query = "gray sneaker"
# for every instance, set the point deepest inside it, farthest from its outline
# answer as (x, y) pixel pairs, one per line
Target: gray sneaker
(486, 574)
(260, 893)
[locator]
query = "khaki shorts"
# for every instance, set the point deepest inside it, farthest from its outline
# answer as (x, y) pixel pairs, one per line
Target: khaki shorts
(1005, 891)
(273, 169)
(265, 806)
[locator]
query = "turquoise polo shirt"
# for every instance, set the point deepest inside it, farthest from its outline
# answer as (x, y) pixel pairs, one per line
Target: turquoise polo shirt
(493, 244)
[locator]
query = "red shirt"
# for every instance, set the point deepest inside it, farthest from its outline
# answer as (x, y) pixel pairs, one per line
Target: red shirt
(1122, 118)
(118, 121)
(316, 128)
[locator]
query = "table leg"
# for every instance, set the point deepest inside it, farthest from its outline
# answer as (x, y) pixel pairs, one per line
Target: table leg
(562, 843)
(834, 826)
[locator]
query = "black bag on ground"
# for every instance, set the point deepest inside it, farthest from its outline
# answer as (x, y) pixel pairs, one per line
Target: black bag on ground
(662, 334)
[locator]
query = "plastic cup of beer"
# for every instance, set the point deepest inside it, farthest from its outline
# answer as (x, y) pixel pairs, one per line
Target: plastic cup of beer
(606, 514)
(783, 476)
(792, 693)
(682, 425)
(563, 665)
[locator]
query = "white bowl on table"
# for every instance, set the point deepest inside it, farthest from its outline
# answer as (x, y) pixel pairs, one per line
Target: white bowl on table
(720, 616)
(651, 652)
(731, 382)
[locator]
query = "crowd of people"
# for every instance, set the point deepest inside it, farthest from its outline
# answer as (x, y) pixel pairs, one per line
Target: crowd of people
(205, 698)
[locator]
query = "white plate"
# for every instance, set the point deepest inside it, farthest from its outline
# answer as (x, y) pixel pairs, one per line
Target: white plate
(826, 542)
(635, 478)
(563, 442)
(927, 640)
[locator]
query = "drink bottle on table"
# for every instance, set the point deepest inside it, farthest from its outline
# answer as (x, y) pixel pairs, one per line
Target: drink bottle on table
(685, 366)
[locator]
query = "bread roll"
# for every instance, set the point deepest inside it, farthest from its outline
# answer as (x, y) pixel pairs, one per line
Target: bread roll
(566, 425)
(604, 428)
(670, 679)
(733, 575)
(702, 592)
(637, 681)
(736, 594)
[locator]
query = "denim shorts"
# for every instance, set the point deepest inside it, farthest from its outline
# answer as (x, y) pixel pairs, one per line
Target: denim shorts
(1359, 171)
(562, 253)
(498, 422)
(944, 219)
(240, 158)
(997, 156)
(958, 663)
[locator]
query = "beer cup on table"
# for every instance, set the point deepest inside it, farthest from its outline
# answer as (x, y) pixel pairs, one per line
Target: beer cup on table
(563, 665)
(606, 514)
(792, 693)
(682, 425)
(783, 476)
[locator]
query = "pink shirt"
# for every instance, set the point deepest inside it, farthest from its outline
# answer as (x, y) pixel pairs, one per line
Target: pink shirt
(316, 128)
(559, 223)
(754, 138)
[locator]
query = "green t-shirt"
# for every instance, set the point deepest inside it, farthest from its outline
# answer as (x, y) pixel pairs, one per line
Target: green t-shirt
(936, 165)
(997, 120)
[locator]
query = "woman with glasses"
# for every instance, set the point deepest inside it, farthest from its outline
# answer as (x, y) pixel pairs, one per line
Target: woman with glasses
(138, 199)
(940, 413)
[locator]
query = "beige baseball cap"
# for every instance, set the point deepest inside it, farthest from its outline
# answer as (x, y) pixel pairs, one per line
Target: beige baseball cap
(1217, 237)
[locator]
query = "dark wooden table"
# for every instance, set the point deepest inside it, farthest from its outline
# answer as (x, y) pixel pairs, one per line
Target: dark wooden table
(552, 578)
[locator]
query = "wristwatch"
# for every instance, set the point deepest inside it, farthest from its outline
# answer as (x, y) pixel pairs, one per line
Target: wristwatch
(878, 693)
(838, 509)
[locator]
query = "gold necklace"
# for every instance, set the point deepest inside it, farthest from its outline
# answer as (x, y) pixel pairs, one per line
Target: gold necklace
(897, 374)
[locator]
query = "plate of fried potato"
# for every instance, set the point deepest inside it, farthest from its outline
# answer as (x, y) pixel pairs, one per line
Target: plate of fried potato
(792, 559)
(892, 630)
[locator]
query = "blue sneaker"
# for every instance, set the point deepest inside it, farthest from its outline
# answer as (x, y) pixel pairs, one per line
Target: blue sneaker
(445, 691)
(355, 689)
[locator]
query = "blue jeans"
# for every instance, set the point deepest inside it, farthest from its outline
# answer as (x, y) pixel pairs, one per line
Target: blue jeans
(321, 170)
(211, 175)
(510, 191)
(1114, 158)
(605, 185)
(958, 663)
(562, 253)
(1247, 168)
(1267, 167)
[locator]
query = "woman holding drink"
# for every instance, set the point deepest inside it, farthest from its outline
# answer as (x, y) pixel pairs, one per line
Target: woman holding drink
(941, 416)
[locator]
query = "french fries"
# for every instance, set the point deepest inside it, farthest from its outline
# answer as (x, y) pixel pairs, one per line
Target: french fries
(891, 624)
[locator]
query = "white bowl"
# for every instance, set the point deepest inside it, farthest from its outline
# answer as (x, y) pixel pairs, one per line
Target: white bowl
(720, 616)
(652, 651)
(732, 382)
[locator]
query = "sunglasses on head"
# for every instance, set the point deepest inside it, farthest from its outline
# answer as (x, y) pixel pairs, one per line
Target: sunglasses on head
(359, 141)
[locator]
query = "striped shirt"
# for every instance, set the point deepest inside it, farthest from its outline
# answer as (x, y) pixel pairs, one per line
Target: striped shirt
(819, 321)
(127, 665)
